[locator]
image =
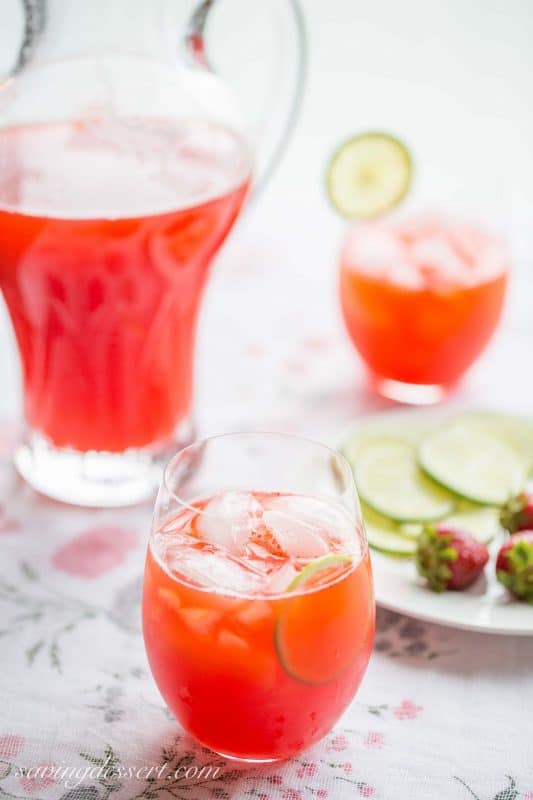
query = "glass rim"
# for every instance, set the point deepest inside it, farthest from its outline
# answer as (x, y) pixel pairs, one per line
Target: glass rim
(172, 462)
(360, 533)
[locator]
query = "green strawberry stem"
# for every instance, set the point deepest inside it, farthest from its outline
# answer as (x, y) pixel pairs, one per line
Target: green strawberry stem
(516, 513)
(433, 556)
(519, 577)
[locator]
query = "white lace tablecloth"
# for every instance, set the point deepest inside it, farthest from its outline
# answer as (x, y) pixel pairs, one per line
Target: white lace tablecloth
(440, 714)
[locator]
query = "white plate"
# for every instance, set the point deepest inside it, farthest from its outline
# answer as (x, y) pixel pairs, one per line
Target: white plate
(485, 607)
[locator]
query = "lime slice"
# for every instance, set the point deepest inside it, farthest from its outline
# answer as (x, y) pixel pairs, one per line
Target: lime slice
(390, 543)
(201, 621)
(368, 174)
(516, 431)
(473, 463)
(321, 570)
(386, 537)
(318, 633)
(390, 482)
(409, 432)
(483, 523)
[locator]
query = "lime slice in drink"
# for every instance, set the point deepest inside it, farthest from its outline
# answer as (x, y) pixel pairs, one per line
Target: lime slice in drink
(321, 570)
(368, 175)
(315, 634)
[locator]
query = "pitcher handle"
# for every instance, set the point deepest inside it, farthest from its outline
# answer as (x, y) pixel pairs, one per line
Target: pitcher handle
(275, 137)
(33, 14)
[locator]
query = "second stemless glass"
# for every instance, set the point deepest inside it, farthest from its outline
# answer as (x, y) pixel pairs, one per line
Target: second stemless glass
(421, 295)
(258, 608)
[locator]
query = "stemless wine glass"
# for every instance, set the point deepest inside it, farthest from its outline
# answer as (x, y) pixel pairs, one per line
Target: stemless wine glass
(258, 607)
(422, 294)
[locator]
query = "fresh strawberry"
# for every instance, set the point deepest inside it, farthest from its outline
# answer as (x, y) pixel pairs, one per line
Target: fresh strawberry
(517, 515)
(449, 558)
(514, 565)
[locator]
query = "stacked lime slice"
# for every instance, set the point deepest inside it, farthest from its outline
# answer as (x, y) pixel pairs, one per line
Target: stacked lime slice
(461, 472)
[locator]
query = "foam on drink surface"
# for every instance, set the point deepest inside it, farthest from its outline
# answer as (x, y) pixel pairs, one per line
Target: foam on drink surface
(116, 167)
(252, 543)
(426, 252)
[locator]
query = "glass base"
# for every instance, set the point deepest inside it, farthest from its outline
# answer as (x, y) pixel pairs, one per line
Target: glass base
(247, 761)
(416, 394)
(96, 479)
(244, 760)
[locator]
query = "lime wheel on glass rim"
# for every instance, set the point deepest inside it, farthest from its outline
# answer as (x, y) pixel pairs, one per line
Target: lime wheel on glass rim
(368, 175)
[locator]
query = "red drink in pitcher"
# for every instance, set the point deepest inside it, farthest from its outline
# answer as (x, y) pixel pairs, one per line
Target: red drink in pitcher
(106, 234)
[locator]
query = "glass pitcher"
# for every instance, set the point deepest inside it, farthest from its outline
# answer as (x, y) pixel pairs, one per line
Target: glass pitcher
(124, 162)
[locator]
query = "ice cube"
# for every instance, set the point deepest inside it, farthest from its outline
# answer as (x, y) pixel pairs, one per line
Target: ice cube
(307, 527)
(280, 579)
(255, 614)
(469, 242)
(202, 621)
(296, 523)
(492, 262)
(403, 273)
(418, 227)
(438, 258)
(210, 568)
(180, 523)
(297, 537)
(373, 249)
(228, 520)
